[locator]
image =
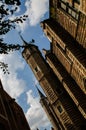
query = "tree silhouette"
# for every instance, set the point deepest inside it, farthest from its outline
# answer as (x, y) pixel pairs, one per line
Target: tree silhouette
(11, 2)
(6, 24)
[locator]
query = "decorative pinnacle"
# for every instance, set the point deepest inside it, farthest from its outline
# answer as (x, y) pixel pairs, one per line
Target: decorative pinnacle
(40, 93)
(45, 52)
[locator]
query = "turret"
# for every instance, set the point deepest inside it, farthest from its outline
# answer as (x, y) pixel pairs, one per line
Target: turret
(48, 109)
(41, 70)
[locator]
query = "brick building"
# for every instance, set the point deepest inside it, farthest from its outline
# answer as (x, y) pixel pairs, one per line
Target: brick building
(11, 114)
(62, 74)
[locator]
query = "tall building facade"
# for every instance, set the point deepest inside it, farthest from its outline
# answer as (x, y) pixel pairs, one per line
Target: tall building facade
(62, 74)
(11, 114)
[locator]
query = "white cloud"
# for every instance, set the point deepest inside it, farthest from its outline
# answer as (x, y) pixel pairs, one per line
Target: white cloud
(36, 9)
(35, 81)
(22, 26)
(12, 84)
(35, 114)
(16, 86)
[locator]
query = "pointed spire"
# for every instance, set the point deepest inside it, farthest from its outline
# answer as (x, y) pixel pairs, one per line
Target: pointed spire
(24, 42)
(40, 93)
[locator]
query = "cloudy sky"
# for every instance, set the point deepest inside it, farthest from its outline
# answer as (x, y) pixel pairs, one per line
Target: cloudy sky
(20, 83)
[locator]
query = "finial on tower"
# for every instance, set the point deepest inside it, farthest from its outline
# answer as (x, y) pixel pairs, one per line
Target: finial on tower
(24, 42)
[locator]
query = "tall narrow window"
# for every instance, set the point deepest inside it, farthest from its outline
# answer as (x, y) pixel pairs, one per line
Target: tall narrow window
(36, 69)
(60, 109)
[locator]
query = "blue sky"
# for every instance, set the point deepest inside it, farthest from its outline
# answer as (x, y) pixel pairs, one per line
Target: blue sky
(20, 84)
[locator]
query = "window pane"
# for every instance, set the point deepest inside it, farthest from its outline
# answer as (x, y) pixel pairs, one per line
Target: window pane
(73, 14)
(63, 6)
(77, 16)
(69, 11)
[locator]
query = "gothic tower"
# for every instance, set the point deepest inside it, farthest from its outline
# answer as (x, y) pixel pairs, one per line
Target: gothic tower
(64, 109)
